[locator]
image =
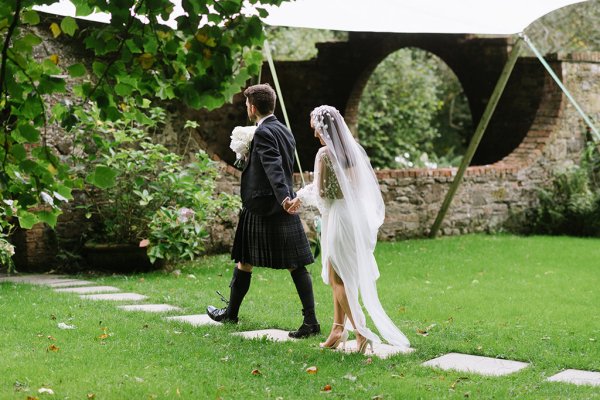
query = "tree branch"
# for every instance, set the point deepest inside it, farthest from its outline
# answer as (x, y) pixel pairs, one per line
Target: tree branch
(9, 34)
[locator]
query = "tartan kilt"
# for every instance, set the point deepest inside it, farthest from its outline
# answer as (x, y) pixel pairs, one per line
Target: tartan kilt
(275, 241)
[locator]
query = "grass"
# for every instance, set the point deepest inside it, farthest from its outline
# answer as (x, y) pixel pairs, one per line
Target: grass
(533, 299)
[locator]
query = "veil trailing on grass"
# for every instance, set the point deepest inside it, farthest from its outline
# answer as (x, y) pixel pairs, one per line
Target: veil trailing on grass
(352, 211)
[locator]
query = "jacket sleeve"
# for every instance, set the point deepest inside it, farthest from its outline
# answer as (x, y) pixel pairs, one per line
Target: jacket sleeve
(267, 150)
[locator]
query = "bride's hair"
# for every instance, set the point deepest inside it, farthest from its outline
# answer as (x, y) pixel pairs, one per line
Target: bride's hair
(330, 124)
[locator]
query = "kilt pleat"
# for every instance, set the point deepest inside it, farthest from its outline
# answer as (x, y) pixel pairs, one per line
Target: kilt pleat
(276, 241)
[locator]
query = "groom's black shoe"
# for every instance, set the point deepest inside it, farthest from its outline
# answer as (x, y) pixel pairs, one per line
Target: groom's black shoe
(220, 315)
(305, 330)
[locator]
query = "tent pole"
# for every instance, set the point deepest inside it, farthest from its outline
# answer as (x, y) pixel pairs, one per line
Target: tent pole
(481, 127)
(586, 118)
(281, 103)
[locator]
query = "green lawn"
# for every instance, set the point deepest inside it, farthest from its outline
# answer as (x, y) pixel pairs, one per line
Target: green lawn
(534, 299)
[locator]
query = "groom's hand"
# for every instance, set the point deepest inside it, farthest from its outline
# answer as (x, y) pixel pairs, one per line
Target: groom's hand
(291, 206)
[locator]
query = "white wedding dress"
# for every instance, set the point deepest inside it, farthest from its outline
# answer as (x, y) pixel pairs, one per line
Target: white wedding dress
(346, 192)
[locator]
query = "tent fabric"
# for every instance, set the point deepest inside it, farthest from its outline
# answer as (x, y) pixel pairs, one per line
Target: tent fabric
(496, 17)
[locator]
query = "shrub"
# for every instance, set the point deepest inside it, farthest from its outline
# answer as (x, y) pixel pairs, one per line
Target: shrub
(141, 193)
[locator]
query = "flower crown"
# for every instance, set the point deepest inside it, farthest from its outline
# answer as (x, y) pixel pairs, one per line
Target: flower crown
(317, 117)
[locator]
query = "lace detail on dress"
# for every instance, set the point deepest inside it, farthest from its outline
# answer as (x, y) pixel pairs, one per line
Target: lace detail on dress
(329, 186)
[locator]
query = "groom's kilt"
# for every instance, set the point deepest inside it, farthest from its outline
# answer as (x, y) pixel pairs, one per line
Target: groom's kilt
(275, 241)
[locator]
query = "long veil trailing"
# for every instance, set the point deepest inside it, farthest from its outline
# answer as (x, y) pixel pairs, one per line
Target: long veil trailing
(350, 222)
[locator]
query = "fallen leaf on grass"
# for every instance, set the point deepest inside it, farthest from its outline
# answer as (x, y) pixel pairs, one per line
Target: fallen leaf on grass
(326, 388)
(32, 398)
(377, 397)
(50, 337)
(425, 332)
(311, 370)
(45, 391)
(462, 378)
(53, 348)
(91, 396)
(369, 361)
(103, 336)
(255, 372)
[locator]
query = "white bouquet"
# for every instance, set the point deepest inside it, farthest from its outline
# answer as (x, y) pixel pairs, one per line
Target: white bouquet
(241, 136)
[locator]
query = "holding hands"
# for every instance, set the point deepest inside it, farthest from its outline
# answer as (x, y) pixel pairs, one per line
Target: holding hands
(291, 206)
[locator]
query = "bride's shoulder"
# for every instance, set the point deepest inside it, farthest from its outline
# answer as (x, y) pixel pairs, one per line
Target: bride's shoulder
(323, 151)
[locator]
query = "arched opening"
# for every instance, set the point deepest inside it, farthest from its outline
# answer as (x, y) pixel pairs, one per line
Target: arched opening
(413, 112)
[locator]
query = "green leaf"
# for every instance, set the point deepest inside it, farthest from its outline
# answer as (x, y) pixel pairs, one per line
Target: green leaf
(103, 177)
(18, 151)
(26, 219)
(31, 17)
(49, 217)
(76, 70)
(123, 90)
(69, 25)
(31, 134)
(98, 68)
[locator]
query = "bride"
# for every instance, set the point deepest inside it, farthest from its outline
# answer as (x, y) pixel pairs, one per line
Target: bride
(346, 192)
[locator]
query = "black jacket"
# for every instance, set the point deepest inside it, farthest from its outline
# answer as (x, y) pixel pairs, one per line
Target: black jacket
(267, 178)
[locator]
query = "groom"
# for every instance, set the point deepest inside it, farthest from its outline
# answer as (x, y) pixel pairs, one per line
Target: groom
(269, 233)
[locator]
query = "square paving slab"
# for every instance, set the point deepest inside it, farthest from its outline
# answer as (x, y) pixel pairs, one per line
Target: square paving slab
(149, 307)
(276, 335)
(89, 289)
(381, 350)
(114, 296)
(476, 364)
(577, 377)
(195, 320)
(71, 283)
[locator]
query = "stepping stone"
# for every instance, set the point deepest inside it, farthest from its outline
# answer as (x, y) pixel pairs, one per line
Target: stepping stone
(71, 283)
(476, 364)
(276, 335)
(381, 350)
(195, 320)
(149, 307)
(114, 296)
(89, 289)
(577, 377)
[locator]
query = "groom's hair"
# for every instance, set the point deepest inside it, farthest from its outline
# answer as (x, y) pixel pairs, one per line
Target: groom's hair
(262, 97)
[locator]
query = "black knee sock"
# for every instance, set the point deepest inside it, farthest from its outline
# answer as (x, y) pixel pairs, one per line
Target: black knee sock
(240, 283)
(303, 283)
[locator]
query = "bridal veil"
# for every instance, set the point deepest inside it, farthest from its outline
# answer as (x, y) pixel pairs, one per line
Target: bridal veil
(350, 222)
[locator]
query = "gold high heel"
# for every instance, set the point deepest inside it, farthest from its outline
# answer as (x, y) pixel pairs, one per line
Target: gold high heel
(362, 349)
(341, 340)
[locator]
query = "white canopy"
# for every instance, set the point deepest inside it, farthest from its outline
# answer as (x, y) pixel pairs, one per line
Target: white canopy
(499, 17)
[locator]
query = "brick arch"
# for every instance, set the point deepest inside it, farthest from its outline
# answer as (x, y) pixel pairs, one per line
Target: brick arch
(341, 69)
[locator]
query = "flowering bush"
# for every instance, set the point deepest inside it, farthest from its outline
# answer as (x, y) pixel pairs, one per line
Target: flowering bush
(7, 250)
(143, 194)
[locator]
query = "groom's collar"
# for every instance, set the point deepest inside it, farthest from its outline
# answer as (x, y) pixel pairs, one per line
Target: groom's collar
(263, 119)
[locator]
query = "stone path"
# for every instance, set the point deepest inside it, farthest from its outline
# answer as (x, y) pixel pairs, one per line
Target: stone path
(476, 364)
(452, 361)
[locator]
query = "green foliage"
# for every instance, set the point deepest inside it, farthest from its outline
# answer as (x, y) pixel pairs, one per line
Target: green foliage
(296, 44)
(143, 193)
(202, 65)
(409, 98)
(571, 205)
